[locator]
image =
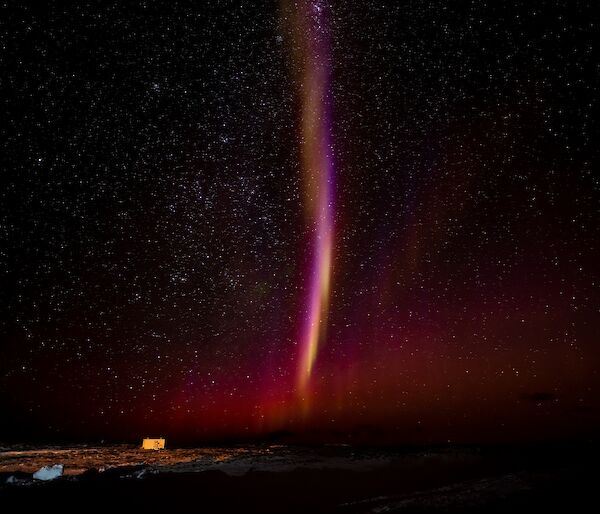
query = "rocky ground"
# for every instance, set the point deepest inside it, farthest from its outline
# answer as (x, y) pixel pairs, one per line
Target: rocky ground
(274, 479)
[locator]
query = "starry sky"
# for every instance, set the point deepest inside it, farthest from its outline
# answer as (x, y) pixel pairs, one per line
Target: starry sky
(173, 174)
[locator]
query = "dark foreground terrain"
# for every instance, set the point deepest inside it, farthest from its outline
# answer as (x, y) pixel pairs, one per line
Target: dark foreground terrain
(288, 479)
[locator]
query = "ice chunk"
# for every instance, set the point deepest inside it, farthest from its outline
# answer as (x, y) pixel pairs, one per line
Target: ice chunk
(49, 472)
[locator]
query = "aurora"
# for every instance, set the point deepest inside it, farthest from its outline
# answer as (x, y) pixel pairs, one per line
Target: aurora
(341, 221)
(318, 172)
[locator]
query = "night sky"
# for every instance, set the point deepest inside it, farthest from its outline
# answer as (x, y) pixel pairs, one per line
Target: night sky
(363, 220)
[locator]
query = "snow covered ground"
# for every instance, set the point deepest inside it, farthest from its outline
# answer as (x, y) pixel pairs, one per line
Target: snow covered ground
(280, 478)
(231, 460)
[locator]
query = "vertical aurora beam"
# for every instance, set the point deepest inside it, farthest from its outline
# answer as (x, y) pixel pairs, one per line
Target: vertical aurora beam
(313, 46)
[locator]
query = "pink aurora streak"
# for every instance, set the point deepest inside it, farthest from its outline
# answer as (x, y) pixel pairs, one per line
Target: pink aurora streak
(318, 170)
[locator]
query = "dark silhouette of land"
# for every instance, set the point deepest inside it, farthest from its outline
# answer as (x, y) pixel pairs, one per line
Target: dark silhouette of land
(318, 479)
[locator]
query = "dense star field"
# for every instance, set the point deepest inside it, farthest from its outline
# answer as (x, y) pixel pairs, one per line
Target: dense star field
(169, 187)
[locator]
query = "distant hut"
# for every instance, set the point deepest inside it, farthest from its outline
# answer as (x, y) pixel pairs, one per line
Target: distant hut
(153, 444)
